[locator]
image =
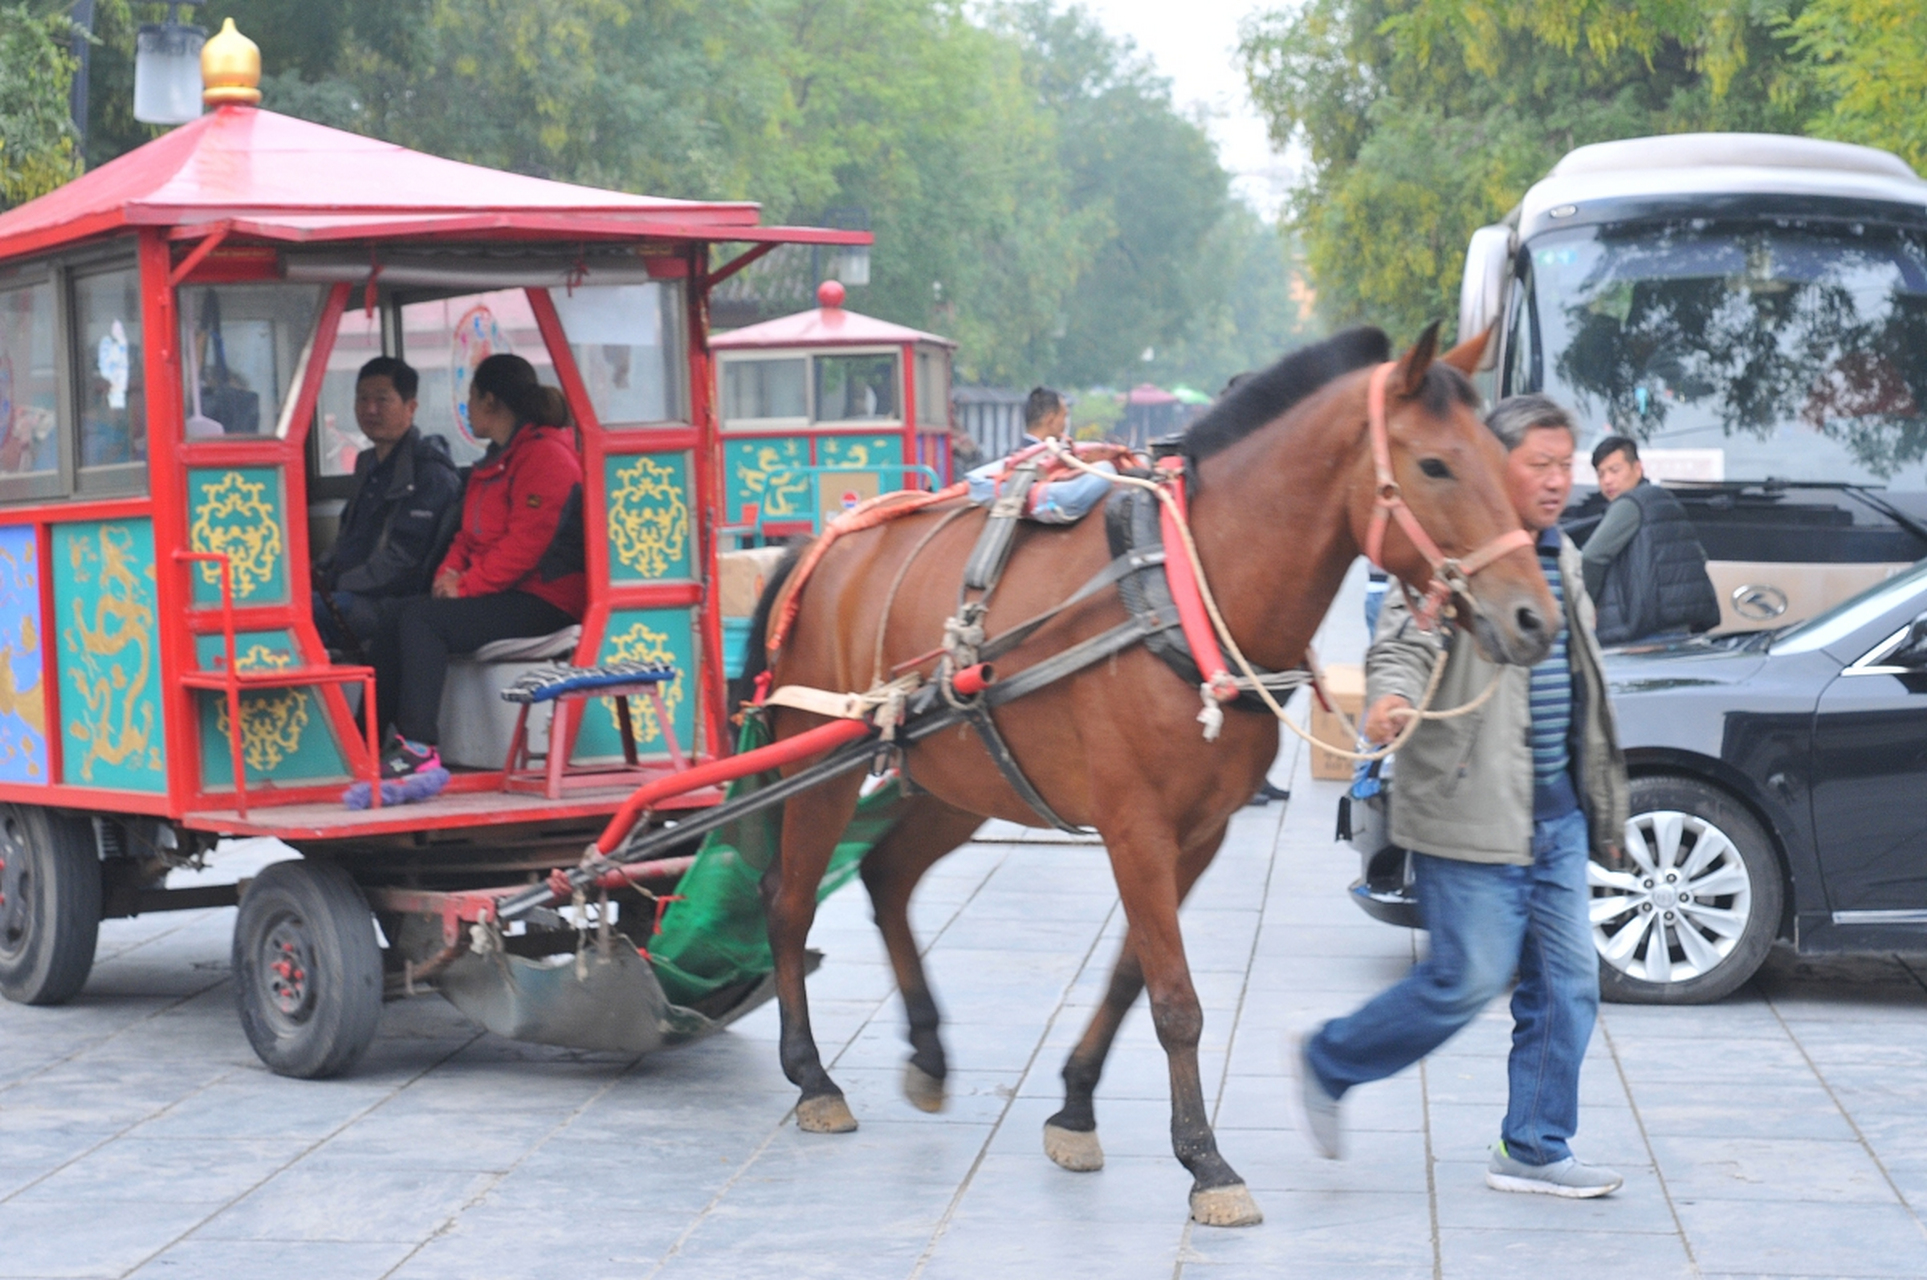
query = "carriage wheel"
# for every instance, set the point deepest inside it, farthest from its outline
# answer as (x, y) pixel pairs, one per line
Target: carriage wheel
(49, 905)
(307, 969)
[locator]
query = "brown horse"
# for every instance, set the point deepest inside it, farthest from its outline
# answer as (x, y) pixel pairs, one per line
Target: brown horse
(1283, 501)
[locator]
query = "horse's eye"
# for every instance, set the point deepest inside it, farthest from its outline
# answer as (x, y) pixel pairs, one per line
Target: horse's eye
(1434, 468)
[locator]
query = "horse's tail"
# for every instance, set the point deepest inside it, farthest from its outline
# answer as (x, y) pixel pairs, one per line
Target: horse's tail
(756, 659)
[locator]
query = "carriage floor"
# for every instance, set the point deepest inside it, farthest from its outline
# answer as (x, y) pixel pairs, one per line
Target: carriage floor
(463, 805)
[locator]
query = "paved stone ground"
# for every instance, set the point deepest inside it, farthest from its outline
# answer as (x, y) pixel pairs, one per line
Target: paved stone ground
(1778, 1133)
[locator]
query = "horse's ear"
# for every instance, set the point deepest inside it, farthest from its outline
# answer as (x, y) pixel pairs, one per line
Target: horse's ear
(1466, 356)
(1410, 374)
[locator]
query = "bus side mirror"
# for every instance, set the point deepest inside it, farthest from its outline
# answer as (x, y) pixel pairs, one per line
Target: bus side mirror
(1488, 267)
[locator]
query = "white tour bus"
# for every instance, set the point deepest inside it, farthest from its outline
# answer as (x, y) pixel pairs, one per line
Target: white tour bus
(1753, 310)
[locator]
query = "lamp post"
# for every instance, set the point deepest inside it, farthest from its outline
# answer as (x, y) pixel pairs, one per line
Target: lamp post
(167, 68)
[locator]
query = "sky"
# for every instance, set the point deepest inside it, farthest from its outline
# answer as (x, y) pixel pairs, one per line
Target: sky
(1194, 42)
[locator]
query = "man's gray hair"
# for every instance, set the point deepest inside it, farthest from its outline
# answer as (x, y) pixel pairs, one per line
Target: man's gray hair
(1513, 416)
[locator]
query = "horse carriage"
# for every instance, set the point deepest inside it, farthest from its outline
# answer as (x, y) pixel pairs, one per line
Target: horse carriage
(927, 662)
(179, 336)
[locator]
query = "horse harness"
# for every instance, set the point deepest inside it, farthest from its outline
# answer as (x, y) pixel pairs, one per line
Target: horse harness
(1153, 573)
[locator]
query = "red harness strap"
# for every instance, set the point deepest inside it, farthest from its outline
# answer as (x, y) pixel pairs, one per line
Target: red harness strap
(1449, 575)
(1192, 618)
(865, 515)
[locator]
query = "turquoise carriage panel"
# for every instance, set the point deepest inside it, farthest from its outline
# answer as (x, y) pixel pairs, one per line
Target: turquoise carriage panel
(285, 733)
(23, 702)
(756, 472)
(651, 538)
(238, 511)
(108, 636)
(648, 635)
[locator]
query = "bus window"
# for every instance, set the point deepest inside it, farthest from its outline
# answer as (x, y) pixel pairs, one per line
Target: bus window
(856, 388)
(111, 385)
(239, 347)
(337, 438)
(29, 387)
(628, 346)
(762, 391)
(445, 339)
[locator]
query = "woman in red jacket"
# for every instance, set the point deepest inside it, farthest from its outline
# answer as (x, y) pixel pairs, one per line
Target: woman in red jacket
(514, 568)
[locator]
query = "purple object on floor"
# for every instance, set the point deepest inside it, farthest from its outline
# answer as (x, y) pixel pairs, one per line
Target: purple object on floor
(413, 789)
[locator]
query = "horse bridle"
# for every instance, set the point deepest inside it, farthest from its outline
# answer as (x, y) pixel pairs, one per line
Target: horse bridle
(1450, 575)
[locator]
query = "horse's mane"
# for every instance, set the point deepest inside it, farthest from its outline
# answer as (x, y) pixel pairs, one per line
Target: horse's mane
(1263, 396)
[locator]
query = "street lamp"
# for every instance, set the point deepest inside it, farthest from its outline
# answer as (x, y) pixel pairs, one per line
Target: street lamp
(167, 68)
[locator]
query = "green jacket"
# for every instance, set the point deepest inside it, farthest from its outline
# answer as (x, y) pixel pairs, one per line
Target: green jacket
(1463, 786)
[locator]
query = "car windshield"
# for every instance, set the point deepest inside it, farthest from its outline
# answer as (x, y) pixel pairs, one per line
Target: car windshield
(1745, 350)
(1851, 614)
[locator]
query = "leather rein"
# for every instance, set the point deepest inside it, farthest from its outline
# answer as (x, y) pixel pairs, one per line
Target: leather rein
(1450, 575)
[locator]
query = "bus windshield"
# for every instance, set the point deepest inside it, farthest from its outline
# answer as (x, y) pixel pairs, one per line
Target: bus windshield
(1744, 350)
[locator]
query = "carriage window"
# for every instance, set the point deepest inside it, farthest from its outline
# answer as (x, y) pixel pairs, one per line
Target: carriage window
(933, 388)
(445, 339)
(627, 340)
(338, 439)
(112, 385)
(856, 388)
(759, 390)
(29, 383)
(240, 344)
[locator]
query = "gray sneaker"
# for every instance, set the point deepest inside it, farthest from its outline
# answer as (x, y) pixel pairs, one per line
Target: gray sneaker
(1320, 1109)
(1568, 1177)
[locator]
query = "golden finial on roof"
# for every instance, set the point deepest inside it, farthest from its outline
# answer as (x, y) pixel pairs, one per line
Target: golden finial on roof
(230, 68)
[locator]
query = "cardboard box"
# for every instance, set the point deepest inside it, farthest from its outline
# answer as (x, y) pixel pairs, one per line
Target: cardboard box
(740, 576)
(1345, 682)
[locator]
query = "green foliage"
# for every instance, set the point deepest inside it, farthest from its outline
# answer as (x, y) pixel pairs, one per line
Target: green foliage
(1870, 58)
(37, 151)
(1425, 119)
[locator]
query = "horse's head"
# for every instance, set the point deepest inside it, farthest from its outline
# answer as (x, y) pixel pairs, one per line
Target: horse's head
(1458, 535)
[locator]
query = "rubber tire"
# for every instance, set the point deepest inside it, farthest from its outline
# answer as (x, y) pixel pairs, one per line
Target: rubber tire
(322, 905)
(1762, 862)
(47, 952)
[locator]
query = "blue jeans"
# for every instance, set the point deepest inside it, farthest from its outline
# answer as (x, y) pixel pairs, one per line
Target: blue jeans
(1485, 921)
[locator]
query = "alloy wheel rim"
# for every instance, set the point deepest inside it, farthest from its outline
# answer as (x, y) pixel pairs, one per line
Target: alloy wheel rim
(1680, 905)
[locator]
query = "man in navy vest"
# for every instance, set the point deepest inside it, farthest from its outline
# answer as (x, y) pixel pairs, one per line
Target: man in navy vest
(1644, 566)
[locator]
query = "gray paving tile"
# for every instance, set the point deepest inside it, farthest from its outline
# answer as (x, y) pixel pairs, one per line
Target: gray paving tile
(342, 1198)
(1377, 1232)
(1735, 1237)
(1804, 1170)
(1757, 1109)
(192, 1170)
(90, 1238)
(1561, 1255)
(195, 1259)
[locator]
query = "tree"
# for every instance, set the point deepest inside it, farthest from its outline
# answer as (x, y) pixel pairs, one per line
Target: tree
(37, 151)
(1425, 119)
(1869, 58)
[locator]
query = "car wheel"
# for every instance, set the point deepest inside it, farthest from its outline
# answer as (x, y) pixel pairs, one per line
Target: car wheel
(49, 905)
(1696, 905)
(307, 969)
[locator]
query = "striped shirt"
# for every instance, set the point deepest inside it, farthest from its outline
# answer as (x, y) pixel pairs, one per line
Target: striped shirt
(1552, 790)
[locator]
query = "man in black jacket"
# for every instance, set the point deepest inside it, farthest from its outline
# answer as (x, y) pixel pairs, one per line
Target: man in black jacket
(407, 497)
(1644, 566)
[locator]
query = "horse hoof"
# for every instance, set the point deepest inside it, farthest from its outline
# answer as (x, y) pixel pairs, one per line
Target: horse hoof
(925, 1091)
(827, 1113)
(1230, 1206)
(1069, 1149)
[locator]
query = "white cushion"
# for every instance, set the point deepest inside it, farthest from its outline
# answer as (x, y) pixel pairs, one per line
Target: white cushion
(557, 644)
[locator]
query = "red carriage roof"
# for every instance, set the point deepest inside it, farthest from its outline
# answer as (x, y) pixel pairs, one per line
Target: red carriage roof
(826, 326)
(281, 178)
